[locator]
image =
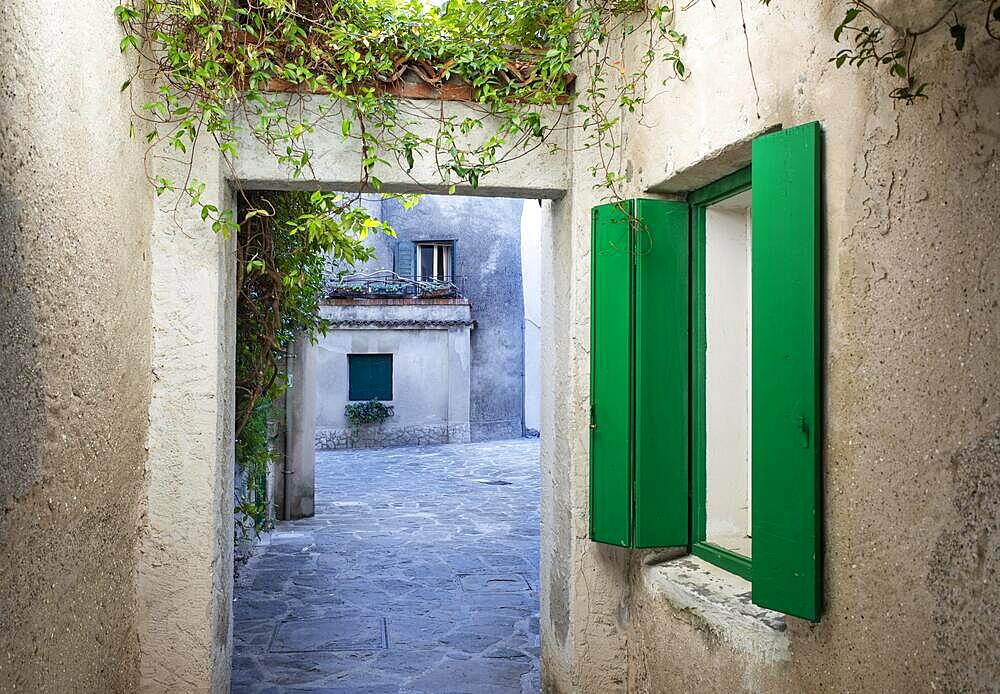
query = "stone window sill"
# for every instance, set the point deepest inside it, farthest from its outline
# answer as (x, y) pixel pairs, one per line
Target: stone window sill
(719, 602)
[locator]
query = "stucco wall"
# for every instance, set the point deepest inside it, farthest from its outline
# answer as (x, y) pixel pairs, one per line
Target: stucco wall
(912, 474)
(430, 373)
(75, 213)
(186, 561)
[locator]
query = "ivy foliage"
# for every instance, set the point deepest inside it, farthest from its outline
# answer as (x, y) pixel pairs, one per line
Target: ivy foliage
(370, 412)
(282, 252)
(279, 70)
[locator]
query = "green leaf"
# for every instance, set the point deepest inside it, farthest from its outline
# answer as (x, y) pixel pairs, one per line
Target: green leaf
(129, 40)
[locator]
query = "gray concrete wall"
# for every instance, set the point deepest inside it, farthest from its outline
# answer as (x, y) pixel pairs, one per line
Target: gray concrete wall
(487, 235)
(912, 301)
(75, 214)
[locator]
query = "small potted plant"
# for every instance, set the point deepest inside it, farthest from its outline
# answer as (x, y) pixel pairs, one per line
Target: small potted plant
(371, 412)
(366, 419)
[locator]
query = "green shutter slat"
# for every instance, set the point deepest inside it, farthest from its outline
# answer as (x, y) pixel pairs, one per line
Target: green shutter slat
(611, 370)
(661, 373)
(786, 371)
(406, 263)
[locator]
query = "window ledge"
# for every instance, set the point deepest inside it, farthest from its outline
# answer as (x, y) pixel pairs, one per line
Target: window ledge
(719, 602)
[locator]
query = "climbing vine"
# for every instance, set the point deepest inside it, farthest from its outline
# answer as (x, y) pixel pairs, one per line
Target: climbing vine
(877, 39)
(281, 259)
(277, 72)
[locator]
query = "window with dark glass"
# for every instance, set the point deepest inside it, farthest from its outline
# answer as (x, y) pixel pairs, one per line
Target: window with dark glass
(434, 261)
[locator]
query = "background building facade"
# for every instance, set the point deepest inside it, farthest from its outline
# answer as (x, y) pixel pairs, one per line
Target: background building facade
(474, 244)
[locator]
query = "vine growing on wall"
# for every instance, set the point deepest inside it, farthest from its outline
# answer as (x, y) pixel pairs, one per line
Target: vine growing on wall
(278, 71)
(876, 39)
(281, 258)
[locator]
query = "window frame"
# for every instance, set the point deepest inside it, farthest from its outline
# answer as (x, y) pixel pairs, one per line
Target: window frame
(350, 367)
(448, 260)
(699, 201)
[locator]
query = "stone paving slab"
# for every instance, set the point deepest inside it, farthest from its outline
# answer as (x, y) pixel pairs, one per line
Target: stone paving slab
(418, 575)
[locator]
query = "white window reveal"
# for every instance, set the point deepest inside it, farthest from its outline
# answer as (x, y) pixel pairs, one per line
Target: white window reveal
(727, 373)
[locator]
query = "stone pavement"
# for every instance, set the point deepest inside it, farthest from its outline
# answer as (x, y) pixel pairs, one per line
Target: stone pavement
(419, 574)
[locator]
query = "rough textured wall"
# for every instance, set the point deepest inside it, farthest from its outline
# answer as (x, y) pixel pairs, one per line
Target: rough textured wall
(488, 247)
(186, 562)
(912, 349)
(75, 215)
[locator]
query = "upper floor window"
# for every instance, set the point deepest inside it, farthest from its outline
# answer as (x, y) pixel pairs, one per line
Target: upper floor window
(434, 261)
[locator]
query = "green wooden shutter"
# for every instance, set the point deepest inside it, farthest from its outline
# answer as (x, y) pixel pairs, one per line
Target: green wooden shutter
(406, 263)
(661, 373)
(611, 370)
(786, 372)
(369, 376)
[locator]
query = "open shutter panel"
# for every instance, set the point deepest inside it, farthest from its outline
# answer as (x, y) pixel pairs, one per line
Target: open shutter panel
(786, 372)
(611, 376)
(661, 373)
(406, 263)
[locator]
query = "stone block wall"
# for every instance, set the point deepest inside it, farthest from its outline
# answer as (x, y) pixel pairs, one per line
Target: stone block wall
(386, 435)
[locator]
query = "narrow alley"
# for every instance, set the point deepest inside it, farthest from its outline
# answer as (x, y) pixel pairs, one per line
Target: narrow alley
(419, 573)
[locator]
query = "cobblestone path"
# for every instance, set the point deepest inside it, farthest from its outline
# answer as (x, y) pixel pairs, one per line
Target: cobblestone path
(419, 573)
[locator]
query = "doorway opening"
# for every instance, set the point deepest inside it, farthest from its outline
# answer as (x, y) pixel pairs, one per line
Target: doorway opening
(425, 521)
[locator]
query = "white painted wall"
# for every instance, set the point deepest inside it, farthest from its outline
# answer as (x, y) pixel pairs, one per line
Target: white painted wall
(727, 372)
(531, 264)
(419, 373)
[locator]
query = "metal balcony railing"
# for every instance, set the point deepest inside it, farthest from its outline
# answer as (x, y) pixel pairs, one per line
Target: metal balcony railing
(388, 285)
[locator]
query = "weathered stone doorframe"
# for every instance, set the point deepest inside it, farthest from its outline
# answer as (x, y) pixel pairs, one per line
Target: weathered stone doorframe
(186, 552)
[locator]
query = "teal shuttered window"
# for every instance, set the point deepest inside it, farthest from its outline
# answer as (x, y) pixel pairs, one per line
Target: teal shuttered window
(706, 329)
(369, 376)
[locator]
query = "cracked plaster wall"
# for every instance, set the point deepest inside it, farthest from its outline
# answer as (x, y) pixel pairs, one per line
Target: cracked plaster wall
(912, 285)
(75, 214)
